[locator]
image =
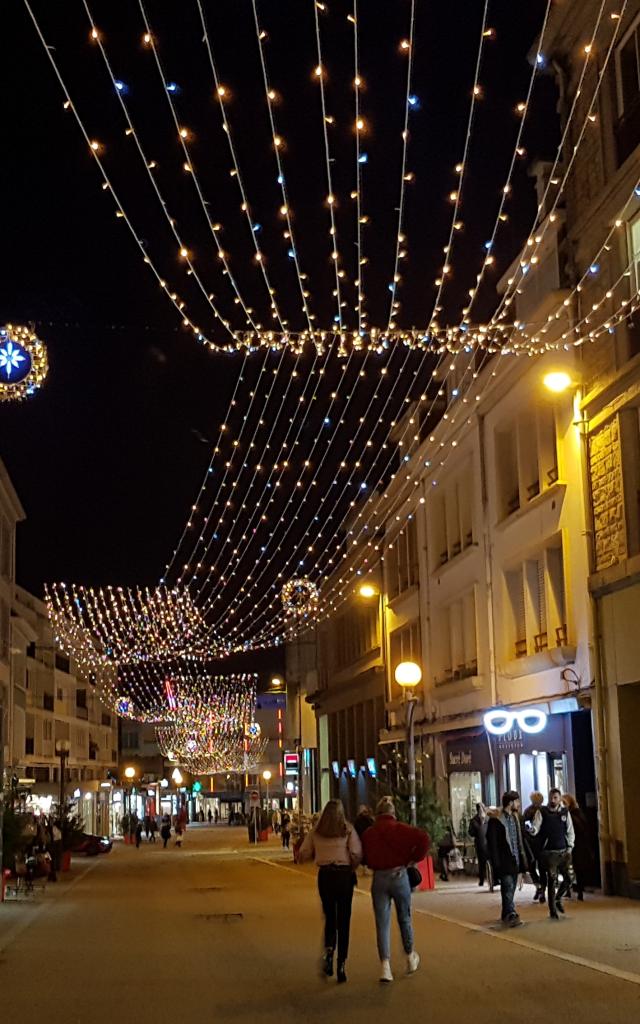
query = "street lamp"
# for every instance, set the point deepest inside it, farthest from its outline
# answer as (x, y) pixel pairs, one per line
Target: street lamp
(266, 775)
(557, 381)
(63, 748)
(368, 590)
(176, 775)
(129, 774)
(408, 675)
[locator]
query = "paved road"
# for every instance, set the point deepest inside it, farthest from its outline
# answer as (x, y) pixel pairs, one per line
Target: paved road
(219, 932)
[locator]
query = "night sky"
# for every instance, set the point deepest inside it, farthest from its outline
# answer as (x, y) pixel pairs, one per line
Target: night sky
(108, 458)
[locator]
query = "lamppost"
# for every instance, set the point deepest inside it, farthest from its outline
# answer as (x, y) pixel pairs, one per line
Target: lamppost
(176, 775)
(266, 775)
(408, 675)
(63, 748)
(129, 774)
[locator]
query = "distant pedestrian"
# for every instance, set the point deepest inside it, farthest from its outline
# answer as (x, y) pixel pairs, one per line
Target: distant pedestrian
(216, 816)
(336, 848)
(179, 831)
(138, 835)
(147, 825)
(478, 832)
(554, 828)
(582, 854)
(537, 870)
(153, 828)
(506, 853)
(285, 830)
(165, 830)
(275, 821)
(209, 816)
(364, 820)
(445, 846)
(389, 848)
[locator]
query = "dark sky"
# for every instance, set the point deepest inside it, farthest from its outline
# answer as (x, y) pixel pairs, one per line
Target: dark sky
(107, 459)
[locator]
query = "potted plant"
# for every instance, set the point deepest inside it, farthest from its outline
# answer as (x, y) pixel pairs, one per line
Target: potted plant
(431, 817)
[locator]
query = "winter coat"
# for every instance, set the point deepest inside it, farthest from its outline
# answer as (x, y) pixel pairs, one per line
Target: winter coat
(502, 860)
(363, 822)
(478, 832)
(391, 844)
(345, 850)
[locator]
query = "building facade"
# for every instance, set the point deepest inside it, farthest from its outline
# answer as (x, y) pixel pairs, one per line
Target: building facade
(603, 206)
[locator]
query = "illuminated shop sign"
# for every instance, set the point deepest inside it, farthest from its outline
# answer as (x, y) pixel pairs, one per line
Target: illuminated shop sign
(372, 766)
(291, 763)
(336, 768)
(501, 721)
(353, 771)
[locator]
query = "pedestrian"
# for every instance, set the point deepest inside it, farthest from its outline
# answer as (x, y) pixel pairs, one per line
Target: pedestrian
(537, 870)
(147, 826)
(582, 854)
(478, 832)
(138, 835)
(178, 829)
(216, 816)
(507, 854)
(153, 828)
(554, 828)
(165, 830)
(364, 820)
(336, 848)
(285, 830)
(275, 821)
(445, 846)
(389, 848)
(209, 816)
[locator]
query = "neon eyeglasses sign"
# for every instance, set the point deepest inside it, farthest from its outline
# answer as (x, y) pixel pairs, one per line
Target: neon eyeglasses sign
(501, 721)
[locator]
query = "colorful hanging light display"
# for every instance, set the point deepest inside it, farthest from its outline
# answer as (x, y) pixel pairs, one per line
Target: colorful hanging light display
(23, 363)
(98, 627)
(299, 597)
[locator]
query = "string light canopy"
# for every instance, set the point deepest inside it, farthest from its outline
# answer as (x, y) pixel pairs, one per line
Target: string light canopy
(233, 758)
(103, 626)
(23, 363)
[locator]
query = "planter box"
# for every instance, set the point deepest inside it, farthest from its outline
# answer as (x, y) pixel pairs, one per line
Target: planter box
(66, 860)
(425, 867)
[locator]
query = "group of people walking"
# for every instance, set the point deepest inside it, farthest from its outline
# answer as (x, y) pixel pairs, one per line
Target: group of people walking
(548, 840)
(390, 849)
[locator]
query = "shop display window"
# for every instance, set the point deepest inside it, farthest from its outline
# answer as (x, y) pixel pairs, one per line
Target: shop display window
(465, 790)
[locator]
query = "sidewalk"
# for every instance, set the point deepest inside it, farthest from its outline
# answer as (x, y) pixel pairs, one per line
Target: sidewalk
(18, 914)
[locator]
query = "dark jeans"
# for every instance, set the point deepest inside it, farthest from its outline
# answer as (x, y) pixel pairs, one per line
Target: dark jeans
(285, 839)
(556, 862)
(335, 885)
(508, 885)
(538, 874)
(483, 856)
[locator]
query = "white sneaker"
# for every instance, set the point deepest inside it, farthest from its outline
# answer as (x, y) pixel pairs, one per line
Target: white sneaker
(385, 972)
(413, 962)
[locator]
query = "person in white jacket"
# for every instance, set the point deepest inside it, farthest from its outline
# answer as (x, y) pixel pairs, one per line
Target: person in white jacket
(336, 848)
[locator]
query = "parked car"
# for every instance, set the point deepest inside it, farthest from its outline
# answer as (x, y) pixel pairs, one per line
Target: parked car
(91, 845)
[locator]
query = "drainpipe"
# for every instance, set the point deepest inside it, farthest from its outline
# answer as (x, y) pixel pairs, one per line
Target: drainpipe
(488, 566)
(599, 692)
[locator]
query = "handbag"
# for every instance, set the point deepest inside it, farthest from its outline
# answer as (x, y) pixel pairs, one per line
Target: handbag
(414, 876)
(455, 861)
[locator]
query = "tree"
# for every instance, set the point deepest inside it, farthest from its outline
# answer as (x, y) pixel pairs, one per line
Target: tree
(430, 814)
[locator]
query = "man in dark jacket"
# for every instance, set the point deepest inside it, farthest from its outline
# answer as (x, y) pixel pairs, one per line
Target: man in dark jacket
(506, 853)
(478, 832)
(554, 830)
(389, 847)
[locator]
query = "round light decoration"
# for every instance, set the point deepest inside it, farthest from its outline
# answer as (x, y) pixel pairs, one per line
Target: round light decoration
(23, 363)
(299, 597)
(501, 720)
(408, 674)
(253, 730)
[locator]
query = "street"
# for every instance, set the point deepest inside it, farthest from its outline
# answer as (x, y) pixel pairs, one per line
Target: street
(221, 931)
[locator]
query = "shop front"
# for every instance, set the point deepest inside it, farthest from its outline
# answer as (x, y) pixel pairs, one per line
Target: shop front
(470, 776)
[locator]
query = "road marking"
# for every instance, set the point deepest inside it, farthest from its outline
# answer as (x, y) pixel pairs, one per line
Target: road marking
(571, 958)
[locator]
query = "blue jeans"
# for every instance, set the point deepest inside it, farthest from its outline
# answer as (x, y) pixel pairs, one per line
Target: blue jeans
(387, 886)
(508, 885)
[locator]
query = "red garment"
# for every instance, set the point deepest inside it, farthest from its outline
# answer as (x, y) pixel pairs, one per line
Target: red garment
(391, 844)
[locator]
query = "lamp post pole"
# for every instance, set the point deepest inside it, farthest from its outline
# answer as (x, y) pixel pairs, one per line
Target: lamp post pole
(408, 676)
(62, 750)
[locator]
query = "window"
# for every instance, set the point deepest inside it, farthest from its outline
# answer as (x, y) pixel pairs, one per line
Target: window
(526, 460)
(536, 614)
(129, 740)
(59, 693)
(81, 698)
(451, 519)
(402, 561)
(106, 719)
(356, 634)
(47, 729)
(5, 547)
(28, 745)
(628, 92)
(404, 646)
(458, 656)
(4, 631)
(47, 701)
(31, 650)
(62, 664)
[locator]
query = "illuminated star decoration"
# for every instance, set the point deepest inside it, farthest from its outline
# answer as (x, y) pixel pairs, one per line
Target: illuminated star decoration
(23, 363)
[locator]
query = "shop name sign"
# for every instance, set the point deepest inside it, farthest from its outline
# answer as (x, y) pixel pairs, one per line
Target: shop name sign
(502, 721)
(460, 759)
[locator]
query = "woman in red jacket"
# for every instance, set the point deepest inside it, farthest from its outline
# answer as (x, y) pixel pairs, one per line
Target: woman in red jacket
(389, 848)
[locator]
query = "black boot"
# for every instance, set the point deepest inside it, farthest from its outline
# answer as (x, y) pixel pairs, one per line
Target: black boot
(341, 976)
(327, 962)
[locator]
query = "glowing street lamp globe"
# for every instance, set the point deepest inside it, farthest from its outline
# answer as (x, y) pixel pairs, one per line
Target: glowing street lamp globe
(130, 773)
(266, 775)
(408, 674)
(557, 382)
(367, 590)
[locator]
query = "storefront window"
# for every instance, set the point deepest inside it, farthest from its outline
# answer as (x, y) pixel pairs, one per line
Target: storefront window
(465, 792)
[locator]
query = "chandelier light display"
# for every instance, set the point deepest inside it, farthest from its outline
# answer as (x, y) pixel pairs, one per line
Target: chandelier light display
(23, 363)
(299, 597)
(102, 626)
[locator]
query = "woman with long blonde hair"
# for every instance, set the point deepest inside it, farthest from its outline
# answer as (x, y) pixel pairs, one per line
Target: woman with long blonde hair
(336, 848)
